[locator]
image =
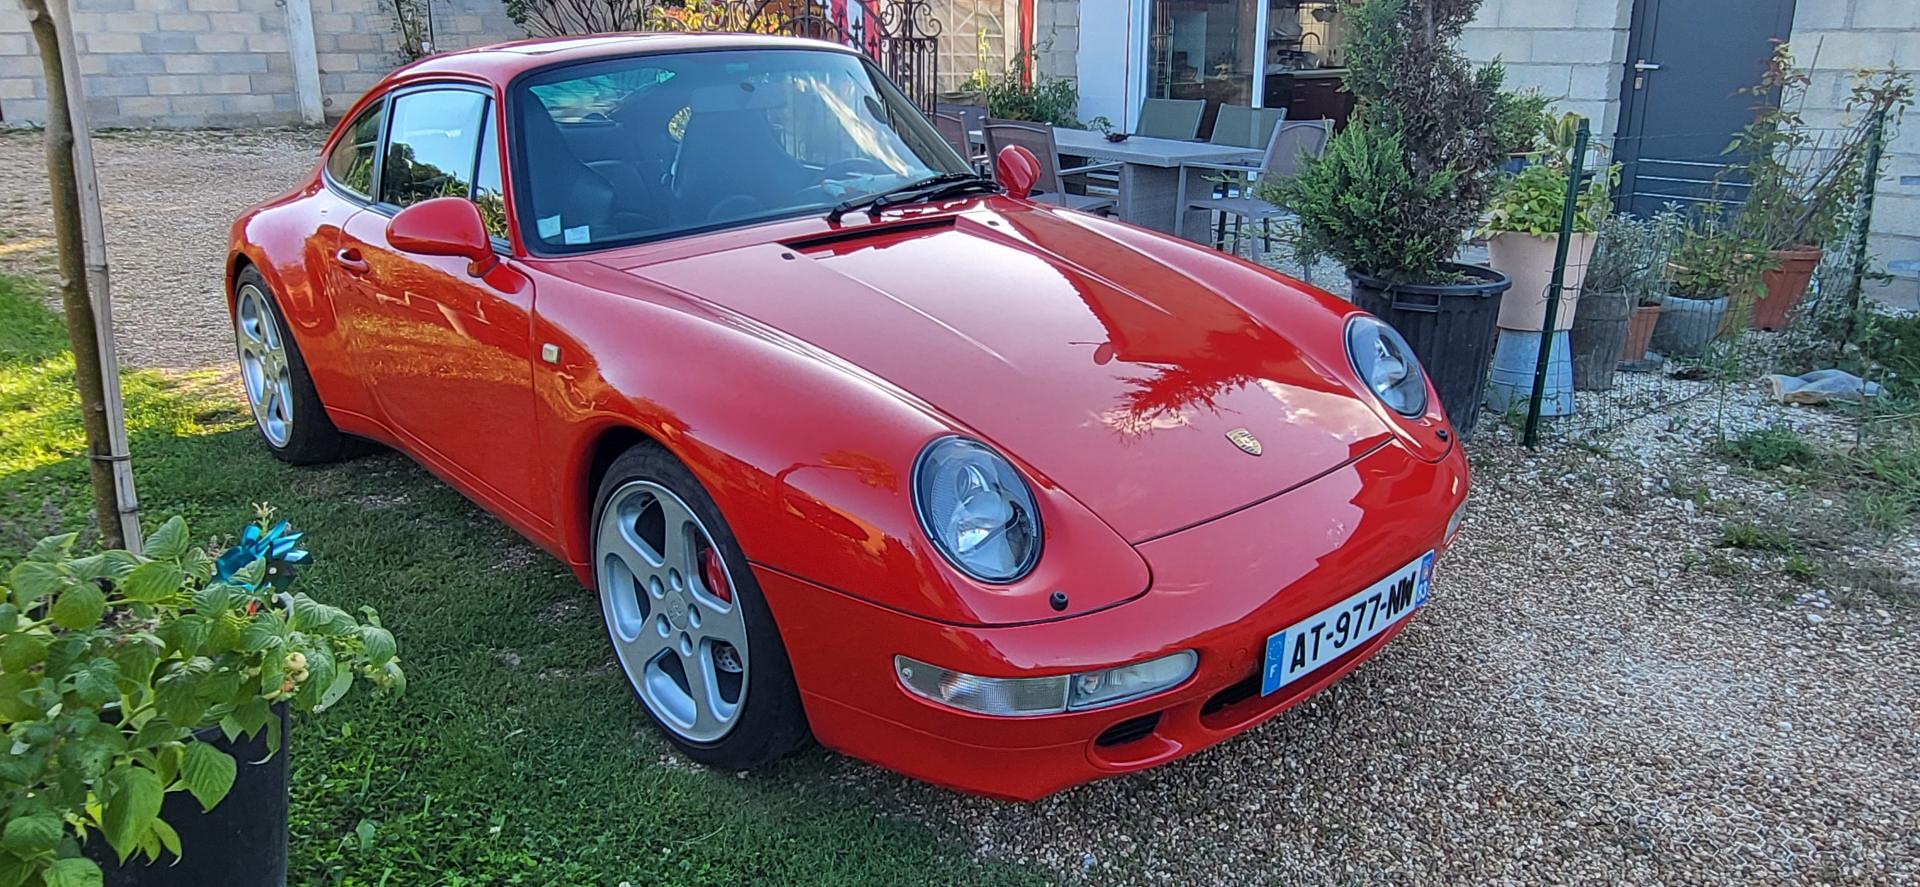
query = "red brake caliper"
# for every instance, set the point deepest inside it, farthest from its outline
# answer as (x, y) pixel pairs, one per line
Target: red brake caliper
(714, 576)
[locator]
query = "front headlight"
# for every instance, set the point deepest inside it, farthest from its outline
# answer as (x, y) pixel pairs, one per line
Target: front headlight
(976, 509)
(1386, 363)
(1051, 695)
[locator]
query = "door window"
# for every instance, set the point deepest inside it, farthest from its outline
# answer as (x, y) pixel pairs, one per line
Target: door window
(432, 145)
(488, 194)
(351, 163)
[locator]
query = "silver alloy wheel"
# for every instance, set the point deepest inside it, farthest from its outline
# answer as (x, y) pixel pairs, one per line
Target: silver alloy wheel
(680, 637)
(263, 365)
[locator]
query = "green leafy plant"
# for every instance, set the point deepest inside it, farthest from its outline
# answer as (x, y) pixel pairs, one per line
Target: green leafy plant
(1400, 188)
(111, 662)
(1534, 200)
(1801, 182)
(1013, 95)
(1632, 255)
(1715, 261)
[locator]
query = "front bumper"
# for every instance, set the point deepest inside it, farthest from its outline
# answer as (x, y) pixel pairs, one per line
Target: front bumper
(1219, 589)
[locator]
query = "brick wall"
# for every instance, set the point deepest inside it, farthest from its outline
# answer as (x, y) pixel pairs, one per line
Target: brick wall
(1835, 36)
(1571, 50)
(1056, 38)
(180, 63)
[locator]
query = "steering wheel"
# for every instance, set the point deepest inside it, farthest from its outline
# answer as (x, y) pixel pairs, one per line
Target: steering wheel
(853, 166)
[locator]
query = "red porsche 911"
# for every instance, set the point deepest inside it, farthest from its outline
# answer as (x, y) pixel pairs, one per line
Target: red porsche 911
(853, 443)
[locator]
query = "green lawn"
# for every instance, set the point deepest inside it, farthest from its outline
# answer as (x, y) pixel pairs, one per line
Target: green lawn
(518, 755)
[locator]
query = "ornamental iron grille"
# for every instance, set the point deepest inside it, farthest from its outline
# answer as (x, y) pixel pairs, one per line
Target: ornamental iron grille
(902, 37)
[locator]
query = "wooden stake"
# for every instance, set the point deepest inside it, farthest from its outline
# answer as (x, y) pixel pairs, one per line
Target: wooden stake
(80, 233)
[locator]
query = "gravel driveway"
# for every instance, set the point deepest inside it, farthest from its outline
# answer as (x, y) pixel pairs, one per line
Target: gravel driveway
(1581, 702)
(168, 199)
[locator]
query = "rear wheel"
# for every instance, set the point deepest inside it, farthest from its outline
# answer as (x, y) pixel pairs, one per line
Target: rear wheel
(688, 623)
(286, 409)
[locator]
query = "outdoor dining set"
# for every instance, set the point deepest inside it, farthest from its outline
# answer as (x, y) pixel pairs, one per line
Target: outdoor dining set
(1162, 175)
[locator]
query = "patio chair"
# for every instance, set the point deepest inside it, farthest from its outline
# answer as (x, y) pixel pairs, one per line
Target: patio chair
(953, 128)
(1170, 118)
(1289, 143)
(1244, 127)
(1051, 185)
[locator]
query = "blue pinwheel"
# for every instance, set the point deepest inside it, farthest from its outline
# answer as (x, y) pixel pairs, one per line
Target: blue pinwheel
(279, 546)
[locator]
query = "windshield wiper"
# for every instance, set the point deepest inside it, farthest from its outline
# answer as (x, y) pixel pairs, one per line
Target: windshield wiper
(924, 189)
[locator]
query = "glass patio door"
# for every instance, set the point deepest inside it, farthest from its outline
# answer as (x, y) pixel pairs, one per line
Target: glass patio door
(1205, 49)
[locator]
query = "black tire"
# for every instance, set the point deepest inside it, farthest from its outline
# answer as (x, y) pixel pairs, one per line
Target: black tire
(312, 438)
(771, 723)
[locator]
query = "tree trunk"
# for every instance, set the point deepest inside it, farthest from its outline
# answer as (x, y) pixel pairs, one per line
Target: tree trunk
(75, 301)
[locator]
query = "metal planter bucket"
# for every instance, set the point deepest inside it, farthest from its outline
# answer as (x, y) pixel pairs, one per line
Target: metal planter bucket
(1688, 326)
(1599, 333)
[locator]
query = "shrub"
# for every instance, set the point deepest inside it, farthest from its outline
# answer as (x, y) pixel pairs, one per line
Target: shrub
(1422, 152)
(1009, 96)
(1534, 201)
(1632, 255)
(110, 663)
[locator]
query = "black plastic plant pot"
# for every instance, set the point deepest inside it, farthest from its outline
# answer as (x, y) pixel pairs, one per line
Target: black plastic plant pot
(1451, 329)
(241, 842)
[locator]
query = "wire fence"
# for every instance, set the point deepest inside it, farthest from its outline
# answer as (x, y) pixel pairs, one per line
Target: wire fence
(1626, 362)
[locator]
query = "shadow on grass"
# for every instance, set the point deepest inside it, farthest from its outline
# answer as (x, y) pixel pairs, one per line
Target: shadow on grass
(518, 755)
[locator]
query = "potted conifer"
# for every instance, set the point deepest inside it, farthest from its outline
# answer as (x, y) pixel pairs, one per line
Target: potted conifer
(1398, 192)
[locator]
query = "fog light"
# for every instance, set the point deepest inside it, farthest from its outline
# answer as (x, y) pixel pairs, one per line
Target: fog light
(1023, 697)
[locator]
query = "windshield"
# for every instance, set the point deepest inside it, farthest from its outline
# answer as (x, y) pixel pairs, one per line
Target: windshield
(647, 147)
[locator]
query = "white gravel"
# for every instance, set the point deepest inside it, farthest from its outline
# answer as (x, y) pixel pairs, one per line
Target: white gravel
(1582, 701)
(168, 198)
(1597, 693)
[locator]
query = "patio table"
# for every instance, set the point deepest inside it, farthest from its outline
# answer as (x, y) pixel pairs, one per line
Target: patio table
(1151, 173)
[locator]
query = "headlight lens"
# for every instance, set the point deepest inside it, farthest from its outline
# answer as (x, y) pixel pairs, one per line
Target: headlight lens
(1385, 362)
(1022, 697)
(976, 509)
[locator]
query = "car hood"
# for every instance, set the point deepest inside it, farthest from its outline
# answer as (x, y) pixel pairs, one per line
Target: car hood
(1114, 373)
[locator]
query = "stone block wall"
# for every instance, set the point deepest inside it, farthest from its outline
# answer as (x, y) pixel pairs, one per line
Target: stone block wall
(1834, 37)
(1056, 38)
(1571, 50)
(182, 63)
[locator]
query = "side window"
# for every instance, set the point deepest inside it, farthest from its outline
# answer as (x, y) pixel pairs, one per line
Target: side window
(487, 193)
(351, 163)
(431, 146)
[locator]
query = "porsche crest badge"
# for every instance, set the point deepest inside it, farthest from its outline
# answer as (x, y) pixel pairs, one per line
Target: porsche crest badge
(1245, 440)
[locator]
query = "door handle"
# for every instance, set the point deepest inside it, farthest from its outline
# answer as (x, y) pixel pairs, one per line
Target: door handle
(1644, 66)
(350, 260)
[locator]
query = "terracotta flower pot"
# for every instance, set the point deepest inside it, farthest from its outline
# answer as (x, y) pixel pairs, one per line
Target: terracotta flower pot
(1639, 332)
(1786, 282)
(1529, 261)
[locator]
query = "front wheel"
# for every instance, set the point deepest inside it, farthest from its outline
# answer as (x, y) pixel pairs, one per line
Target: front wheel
(286, 408)
(688, 623)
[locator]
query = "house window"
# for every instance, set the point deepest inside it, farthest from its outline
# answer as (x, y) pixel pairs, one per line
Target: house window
(1269, 53)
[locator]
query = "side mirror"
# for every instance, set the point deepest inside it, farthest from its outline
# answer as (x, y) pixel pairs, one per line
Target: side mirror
(444, 226)
(1017, 169)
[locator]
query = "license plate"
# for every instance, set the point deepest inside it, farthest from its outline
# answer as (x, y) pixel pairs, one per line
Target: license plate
(1318, 639)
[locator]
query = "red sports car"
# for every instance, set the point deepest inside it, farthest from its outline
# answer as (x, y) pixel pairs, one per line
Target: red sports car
(853, 443)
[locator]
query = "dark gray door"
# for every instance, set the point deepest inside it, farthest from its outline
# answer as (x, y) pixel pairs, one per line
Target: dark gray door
(1687, 62)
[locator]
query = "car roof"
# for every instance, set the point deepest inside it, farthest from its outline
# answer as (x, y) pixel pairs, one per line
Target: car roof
(502, 62)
